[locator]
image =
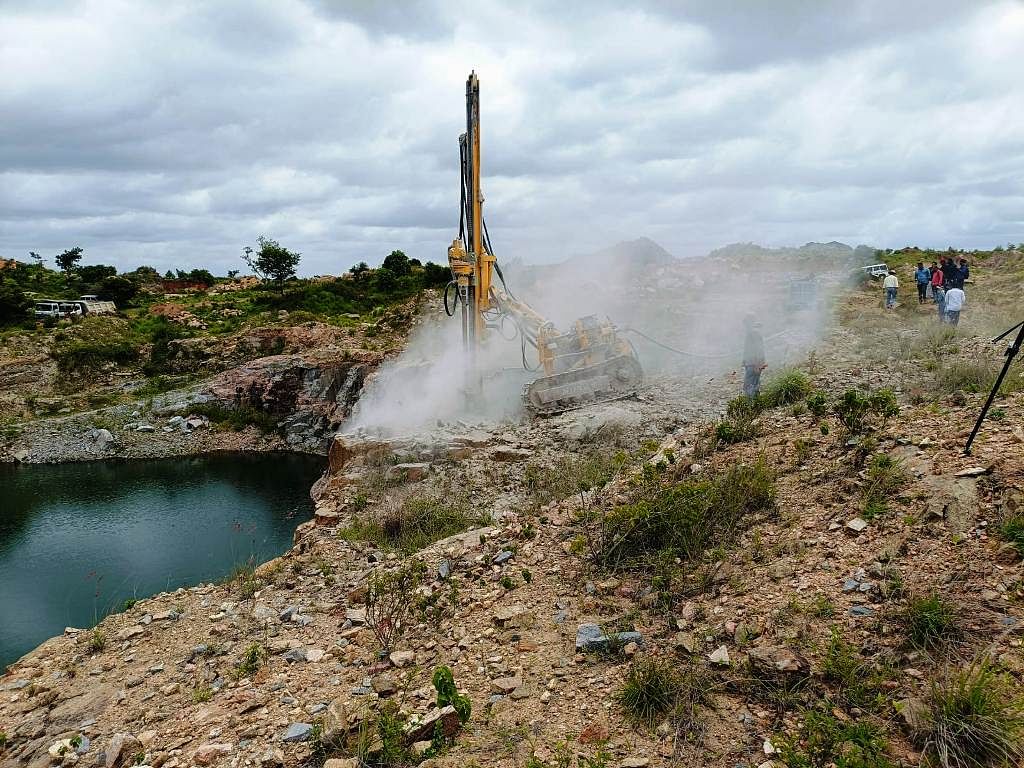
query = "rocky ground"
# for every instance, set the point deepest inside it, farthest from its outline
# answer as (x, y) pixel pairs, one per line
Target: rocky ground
(283, 666)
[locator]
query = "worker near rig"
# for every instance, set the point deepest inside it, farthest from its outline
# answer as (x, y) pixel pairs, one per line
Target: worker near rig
(753, 357)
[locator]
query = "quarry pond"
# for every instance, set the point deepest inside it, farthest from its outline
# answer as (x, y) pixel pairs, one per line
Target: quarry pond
(78, 540)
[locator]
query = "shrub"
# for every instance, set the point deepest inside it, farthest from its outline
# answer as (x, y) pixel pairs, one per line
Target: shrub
(682, 520)
(389, 603)
(252, 659)
(444, 684)
(81, 351)
(202, 693)
(885, 476)
(975, 719)
(930, 622)
(858, 684)
(739, 424)
(14, 304)
(789, 388)
(571, 474)
(382, 739)
(824, 740)
(853, 408)
(965, 376)
(1012, 530)
(412, 523)
(97, 640)
(237, 419)
(817, 403)
(655, 689)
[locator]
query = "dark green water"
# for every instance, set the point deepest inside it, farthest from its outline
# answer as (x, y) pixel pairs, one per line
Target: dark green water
(77, 540)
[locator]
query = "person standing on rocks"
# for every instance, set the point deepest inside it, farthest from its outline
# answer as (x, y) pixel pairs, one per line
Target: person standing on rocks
(955, 299)
(965, 273)
(753, 357)
(940, 302)
(923, 277)
(936, 279)
(891, 285)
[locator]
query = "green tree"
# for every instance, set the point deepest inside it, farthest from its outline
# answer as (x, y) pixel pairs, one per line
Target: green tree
(272, 261)
(14, 303)
(435, 276)
(359, 270)
(202, 276)
(68, 259)
(119, 290)
(398, 263)
(38, 270)
(94, 273)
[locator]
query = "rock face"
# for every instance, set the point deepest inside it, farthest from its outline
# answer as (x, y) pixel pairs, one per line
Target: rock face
(309, 395)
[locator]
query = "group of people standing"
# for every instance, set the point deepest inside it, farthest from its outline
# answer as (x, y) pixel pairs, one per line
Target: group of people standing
(942, 283)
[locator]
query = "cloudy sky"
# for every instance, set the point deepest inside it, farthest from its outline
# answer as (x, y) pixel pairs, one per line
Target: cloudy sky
(175, 133)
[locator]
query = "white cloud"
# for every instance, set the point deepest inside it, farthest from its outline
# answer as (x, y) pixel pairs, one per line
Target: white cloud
(174, 134)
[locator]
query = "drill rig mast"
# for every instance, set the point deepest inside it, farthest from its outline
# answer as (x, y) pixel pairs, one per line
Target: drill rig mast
(588, 364)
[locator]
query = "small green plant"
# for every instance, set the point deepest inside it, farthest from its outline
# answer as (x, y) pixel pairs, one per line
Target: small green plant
(202, 693)
(252, 659)
(656, 689)
(245, 580)
(97, 640)
(817, 404)
(1012, 531)
(823, 608)
(885, 476)
(447, 693)
(683, 520)
(388, 606)
(3, 741)
(650, 691)
(507, 583)
(412, 523)
(930, 622)
(857, 682)
(128, 604)
(997, 414)
(975, 719)
(791, 387)
(824, 741)
(599, 760)
(381, 740)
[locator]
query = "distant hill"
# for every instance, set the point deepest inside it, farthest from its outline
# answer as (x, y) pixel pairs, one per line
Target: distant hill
(640, 252)
(832, 251)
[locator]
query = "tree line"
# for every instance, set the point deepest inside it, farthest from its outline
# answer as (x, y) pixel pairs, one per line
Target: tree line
(398, 276)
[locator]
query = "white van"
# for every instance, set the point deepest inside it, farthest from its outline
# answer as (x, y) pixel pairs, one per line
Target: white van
(55, 308)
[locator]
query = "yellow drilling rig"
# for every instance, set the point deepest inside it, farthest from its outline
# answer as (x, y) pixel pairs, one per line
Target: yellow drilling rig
(590, 363)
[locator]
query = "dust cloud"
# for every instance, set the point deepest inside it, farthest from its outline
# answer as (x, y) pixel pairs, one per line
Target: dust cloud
(695, 306)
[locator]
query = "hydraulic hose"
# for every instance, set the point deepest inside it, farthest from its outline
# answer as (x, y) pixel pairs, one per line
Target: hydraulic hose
(450, 311)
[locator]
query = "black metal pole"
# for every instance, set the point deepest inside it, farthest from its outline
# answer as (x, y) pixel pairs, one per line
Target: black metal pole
(1011, 353)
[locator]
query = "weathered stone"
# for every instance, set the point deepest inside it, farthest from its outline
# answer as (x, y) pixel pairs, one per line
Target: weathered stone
(509, 454)
(506, 685)
(772, 660)
(402, 659)
(502, 557)
(384, 685)
(410, 473)
(915, 713)
(857, 524)
(720, 656)
(594, 733)
(685, 641)
(635, 762)
(342, 762)
(129, 632)
(121, 750)
(515, 615)
(972, 472)
(297, 732)
(590, 637)
(446, 716)
(210, 753)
